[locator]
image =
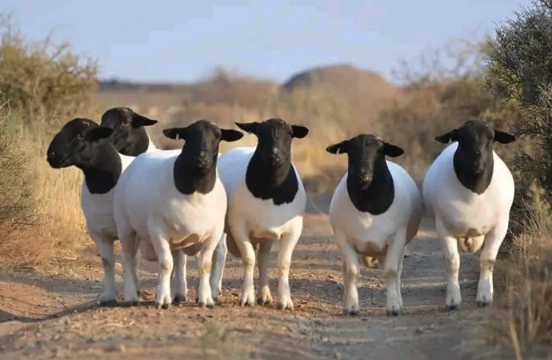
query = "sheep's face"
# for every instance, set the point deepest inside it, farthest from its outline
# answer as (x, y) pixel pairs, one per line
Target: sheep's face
(129, 137)
(274, 139)
(202, 137)
(366, 154)
(475, 144)
(75, 142)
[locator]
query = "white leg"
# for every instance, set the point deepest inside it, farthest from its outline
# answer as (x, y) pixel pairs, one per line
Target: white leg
(136, 267)
(248, 259)
(164, 257)
(263, 291)
(179, 277)
(449, 245)
(108, 297)
(399, 283)
(130, 244)
(487, 259)
(205, 256)
(287, 245)
(219, 261)
(392, 267)
(350, 274)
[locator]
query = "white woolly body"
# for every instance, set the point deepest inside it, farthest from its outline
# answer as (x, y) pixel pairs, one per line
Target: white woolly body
(463, 212)
(364, 230)
(98, 208)
(146, 198)
(263, 219)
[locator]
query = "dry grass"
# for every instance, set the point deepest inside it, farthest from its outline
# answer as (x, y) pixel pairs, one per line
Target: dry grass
(523, 321)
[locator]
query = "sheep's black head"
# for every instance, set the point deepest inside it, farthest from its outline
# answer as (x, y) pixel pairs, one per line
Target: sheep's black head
(274, 139)
(202, 142)
(475, 144)
(75, 143)
(129, 136)
(366, 155)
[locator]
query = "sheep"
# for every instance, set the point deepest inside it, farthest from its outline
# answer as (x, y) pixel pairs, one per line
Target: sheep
(375, 212)
(130, 138)
(84, 144)
(468, 191)
(174, 201)
(266, 202)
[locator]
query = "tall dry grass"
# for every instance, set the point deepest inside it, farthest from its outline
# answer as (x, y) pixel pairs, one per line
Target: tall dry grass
(42, 85)
(522, 320)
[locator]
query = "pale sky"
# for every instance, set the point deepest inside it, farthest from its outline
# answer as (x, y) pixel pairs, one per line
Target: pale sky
(184, 40)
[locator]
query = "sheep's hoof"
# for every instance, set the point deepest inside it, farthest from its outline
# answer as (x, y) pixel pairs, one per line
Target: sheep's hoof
(215, 299)
(208, 305)
(179, 299)
(109, 303)
(453, 307)
(248, 303)
(130, 303)
(394, 312)
(483, 303)
(139, 293)
(260, 301)
(281, 306)
(164, 306)
(197, 300)
(354, 312)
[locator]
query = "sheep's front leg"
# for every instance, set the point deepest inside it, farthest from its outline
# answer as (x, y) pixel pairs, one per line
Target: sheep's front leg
(179, 276)
(392, 271)
(161, 245)
(350, 274)
(248, 258)
(205, 257)
(263, 292)
(487, 259)
(287, 245)
(108, 297)
(219, 262)
(449, 245)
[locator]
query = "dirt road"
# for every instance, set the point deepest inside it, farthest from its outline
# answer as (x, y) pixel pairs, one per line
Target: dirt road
(59, 317)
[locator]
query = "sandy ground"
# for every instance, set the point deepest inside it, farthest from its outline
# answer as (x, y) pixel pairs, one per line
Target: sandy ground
(59, 317)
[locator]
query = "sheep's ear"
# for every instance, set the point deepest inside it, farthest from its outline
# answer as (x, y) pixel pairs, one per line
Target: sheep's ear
(392, 150)
(503, 137)
(230, 135)
(299, 131)
(98, 133)
(251, 127)
(139, 120)
(339, 148)
(446, 138)
(175, 133)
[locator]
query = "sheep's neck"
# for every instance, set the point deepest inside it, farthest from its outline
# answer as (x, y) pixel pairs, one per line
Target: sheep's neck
(189, 179)
(102, 171)
(475, 182)
(375, 197)
(265, 181)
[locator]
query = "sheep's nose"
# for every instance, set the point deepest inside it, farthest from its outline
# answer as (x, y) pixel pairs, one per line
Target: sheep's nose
(275, 150)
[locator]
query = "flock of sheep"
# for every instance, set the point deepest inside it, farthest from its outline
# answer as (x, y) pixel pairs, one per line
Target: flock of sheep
(194, 201)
